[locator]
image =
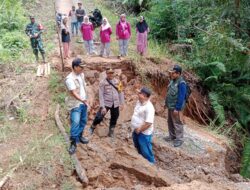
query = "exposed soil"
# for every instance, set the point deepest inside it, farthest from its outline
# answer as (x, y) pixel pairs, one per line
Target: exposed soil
(201, 163)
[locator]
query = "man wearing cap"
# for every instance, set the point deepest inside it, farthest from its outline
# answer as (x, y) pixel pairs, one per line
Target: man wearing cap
(175, 102)
(77, 104)
(80, 13)
(142, 124)
(111, 98)
(34, 31)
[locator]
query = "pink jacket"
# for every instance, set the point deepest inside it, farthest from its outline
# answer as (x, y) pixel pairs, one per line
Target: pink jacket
(105, 35)
(123, 33)
(87, 31)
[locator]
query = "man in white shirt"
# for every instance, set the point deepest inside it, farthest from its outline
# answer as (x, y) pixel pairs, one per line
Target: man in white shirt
(77, 104)
(142, 124)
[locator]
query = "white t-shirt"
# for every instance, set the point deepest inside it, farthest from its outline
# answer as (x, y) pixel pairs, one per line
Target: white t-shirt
(143, 113)
(72, 80)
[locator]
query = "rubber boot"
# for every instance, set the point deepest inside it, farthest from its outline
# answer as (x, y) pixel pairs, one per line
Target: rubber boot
(111, 131)
(37, 58)
(43, 56)
(91, 129)
(72, 148)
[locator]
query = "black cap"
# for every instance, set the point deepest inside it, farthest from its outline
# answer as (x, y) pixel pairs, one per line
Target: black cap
(145, 91)
(77, 62)
(176, 68)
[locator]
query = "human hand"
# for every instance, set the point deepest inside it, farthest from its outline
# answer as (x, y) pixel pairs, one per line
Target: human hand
(104, 111)
(86, 103)
(121, 107)
(138, 130)
(176, 113)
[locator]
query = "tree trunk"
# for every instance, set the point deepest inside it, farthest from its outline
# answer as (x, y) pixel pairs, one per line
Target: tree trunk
(237, 19)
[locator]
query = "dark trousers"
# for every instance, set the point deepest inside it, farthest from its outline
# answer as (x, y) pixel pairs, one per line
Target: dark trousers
(175, 125)
(114, 112)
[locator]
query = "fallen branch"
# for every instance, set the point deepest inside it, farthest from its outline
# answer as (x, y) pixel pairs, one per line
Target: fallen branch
(10, 173)
(79, 170)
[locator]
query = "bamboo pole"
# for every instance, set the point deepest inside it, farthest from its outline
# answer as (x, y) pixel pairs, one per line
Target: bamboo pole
(59, 39)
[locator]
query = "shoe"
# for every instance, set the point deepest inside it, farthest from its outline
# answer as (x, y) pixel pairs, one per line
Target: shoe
(72, 148)
(111, 132)
(84, 140)
(178, 143)
(91, 130)
(168, 139)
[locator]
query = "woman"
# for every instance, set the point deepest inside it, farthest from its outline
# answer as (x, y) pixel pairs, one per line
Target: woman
(105, 33)
(142, 36)
(123, 33)
(65, 38)
(87, 35)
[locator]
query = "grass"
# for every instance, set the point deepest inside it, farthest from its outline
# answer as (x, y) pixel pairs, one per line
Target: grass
(57, 89)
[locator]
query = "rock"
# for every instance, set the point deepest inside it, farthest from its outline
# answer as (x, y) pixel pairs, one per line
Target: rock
(126, 113)
(102, 131)
(91, 74)
(129, 160)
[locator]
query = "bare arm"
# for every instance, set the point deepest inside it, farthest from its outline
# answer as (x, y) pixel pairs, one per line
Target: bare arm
(77, 96)
(144, 127)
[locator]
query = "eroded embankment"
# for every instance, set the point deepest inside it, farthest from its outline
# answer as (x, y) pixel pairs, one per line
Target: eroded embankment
(114, 163)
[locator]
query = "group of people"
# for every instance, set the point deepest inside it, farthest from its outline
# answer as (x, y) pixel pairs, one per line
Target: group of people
(111, 98)
(80, 21)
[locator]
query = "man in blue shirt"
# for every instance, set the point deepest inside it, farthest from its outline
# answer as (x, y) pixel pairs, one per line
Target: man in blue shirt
(175, 102)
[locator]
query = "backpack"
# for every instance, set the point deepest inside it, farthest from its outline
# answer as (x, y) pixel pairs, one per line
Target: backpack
(188, 90)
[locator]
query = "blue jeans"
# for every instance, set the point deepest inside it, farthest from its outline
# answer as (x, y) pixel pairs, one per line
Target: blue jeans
(74, 27)
(79, 24)
(89, 46)
(143, 144)
(78, 119)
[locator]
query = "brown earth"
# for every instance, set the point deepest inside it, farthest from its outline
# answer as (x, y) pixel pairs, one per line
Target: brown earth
(201, 163)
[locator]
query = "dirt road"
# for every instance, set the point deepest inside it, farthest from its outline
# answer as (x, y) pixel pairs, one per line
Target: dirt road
(115, 164)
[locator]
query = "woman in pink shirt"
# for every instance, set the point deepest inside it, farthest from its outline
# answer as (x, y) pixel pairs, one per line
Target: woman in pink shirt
(87, 35)
(123, 33)
(105, 33)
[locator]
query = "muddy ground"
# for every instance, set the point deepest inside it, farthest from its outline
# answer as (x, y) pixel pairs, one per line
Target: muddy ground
(203, 162)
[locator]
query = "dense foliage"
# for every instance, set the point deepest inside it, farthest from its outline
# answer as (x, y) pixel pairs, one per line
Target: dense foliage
(12, 37)
(219, 33)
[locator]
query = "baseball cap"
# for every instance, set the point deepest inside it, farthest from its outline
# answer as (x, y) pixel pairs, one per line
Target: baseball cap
(176, 68)
(146, 91)
(78, 63)
(110, 70)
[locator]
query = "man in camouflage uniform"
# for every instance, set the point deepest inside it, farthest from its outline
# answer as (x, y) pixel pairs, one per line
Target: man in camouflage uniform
(34, 31)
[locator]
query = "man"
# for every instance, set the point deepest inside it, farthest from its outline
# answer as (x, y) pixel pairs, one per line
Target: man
(34, 31)
(142, 124)
(111, 98)
(74, 24)
(175, 102)
(80, 13)
(77, 104)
